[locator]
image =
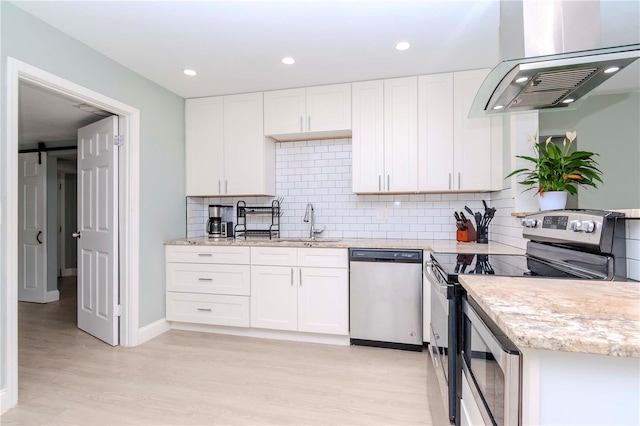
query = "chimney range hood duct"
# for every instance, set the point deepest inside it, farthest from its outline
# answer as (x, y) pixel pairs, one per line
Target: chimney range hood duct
(546, 76)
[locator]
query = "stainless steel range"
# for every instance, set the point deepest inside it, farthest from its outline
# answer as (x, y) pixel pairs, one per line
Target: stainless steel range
(578, 244)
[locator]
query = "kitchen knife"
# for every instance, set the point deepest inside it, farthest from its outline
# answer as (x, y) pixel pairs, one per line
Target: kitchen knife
(468, 210)
(463, 217)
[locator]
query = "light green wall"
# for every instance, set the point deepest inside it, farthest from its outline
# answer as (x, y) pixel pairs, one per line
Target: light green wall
(610, 126)
(161, 139)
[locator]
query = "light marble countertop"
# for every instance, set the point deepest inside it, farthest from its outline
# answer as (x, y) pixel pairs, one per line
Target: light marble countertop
(592, 317)
(449, 246)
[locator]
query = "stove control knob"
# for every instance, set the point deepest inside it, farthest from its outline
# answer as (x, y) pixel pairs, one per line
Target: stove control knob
(530, 223)
(587, 226)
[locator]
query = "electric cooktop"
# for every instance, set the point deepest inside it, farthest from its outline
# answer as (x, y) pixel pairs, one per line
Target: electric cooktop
(450, 265)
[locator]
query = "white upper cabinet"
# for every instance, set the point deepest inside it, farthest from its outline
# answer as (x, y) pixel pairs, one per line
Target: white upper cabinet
(385, 136)
(204, 146)
(472, 136)
(368, 136)
(249, 160)
(284, 111)
(226, 151)
(401, 134)
(456, 153)
(311, 113)
(435, 132)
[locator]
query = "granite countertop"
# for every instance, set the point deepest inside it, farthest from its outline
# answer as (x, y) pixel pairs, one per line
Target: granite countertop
(428, 245)
(592, 317)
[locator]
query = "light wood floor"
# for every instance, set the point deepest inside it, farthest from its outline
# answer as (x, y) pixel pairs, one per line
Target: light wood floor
(68, 377)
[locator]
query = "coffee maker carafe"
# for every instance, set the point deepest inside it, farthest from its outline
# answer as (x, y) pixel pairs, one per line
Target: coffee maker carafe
(214, 225)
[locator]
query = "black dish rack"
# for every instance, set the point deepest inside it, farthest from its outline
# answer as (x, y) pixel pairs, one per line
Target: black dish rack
(271, 230)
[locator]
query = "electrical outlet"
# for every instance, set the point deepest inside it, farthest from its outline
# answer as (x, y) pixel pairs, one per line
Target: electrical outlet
(382, 213)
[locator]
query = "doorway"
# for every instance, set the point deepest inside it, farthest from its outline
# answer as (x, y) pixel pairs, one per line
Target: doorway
(129, 119)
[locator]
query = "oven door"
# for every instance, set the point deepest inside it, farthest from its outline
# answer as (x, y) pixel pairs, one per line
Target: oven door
(440, 352)
(491, 366)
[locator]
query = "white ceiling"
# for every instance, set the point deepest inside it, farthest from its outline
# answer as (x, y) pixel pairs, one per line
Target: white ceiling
(237, 46)
(45, 116)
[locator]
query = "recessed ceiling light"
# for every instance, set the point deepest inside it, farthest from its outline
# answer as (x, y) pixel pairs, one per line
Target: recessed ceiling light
(403, 45)
(568, 101)
(611, 70)
(498, 107)
(288, 60)
(190, 73)
(521, 79)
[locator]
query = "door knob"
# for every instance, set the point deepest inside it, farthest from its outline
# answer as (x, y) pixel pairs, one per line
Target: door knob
(77, 235)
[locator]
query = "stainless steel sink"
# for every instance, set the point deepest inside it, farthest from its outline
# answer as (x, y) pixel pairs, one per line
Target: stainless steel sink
(307, 240)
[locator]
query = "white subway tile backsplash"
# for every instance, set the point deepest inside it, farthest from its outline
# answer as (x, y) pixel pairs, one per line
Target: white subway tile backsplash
(319, 172)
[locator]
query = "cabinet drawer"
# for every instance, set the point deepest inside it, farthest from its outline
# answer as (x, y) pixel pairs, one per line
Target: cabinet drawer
(323, 257)
(274, 256)
(209, 278)
(208, 254)
(208, 309)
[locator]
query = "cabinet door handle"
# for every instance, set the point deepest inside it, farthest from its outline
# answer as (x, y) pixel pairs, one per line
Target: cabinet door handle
(458, 180)
(388, 182)
(301, 123)
(38, 237)
(309, 124)
(219, 187)
(449, 180)
(226, 187)
(300, 272)
(379, 183)
(205, 254)
(204, 309)
(205, 279)
(291, 277)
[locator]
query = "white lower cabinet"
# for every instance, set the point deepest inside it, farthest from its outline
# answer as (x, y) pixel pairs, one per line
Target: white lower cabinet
(208, 285)
(299, 297)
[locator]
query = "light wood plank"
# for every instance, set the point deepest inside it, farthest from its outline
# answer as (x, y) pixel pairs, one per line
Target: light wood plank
(179, 378)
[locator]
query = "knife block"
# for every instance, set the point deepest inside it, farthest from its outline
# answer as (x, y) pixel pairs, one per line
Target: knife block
(468, 234)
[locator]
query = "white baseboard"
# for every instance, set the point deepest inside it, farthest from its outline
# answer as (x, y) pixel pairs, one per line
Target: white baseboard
(264, 334)
(153, 330)
(69, 272)
(4, 402)
(52, 296)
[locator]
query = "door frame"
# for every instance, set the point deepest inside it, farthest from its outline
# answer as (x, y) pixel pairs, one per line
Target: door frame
(129, 178)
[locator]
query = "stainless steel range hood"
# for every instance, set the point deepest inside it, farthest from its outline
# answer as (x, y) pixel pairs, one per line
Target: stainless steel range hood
(547, 76)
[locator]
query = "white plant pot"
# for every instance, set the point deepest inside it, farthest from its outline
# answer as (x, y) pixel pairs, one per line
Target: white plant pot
(552, 200)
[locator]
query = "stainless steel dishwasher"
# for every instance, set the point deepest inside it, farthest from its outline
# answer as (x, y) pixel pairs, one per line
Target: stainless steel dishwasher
(385, 298)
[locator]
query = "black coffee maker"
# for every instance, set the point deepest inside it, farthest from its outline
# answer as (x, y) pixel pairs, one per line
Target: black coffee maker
(214, 225)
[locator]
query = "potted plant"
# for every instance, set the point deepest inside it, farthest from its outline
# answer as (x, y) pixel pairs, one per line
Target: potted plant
(556, 171)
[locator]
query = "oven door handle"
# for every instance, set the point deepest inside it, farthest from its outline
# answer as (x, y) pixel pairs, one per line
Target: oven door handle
(501, 347)
(433, 280)
(481, 403)
(506, 355)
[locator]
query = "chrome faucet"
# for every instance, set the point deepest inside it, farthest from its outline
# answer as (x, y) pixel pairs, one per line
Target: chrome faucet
(309, 217)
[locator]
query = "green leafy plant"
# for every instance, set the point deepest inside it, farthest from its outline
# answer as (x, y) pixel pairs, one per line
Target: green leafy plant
(556, 169)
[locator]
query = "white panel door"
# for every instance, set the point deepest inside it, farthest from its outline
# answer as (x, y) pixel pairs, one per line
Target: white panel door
(284, 111)
(274, 300)
(204, 146)
(323, 300)
(401, 134)
(368, 136)
(32, 228)
(472, 147)
(244, 145)
(435, 132)
(329, 108)
(98, 228)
